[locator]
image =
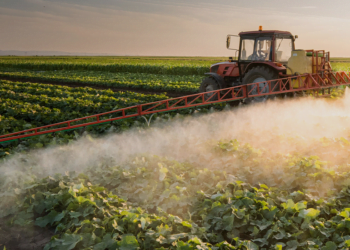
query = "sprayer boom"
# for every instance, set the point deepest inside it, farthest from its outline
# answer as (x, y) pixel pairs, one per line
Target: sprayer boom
(316, 84)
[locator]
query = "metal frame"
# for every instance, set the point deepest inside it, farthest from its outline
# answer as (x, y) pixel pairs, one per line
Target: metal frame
(324, 64)
(305, 82)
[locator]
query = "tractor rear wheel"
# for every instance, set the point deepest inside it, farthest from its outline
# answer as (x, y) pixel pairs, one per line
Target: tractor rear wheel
(259, 74)
(209, 84)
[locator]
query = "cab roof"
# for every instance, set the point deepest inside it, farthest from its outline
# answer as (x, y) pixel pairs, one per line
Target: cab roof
(264, 32)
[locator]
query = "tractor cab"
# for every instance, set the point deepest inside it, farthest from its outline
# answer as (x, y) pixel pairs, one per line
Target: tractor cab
(270, 46)
(273, 48)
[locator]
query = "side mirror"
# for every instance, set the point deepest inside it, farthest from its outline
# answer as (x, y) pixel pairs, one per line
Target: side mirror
(228, 42)
(234, 44)
(296, 36)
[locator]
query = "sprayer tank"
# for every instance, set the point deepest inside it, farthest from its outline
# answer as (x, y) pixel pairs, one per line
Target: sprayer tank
(299, 63)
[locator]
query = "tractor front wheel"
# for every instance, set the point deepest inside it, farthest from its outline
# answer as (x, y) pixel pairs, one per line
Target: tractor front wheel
(259, 74)
(209, 84)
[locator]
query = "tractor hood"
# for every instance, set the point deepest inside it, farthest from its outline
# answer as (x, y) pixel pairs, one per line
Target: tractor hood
(225, 69)
(214, 68)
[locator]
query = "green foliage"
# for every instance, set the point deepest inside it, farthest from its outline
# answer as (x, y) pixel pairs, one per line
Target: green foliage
(177, 83)
(46, 104)
(155, 65)
(122, 206)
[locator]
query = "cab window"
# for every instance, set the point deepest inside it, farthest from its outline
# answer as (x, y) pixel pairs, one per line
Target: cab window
(284, 47)
(247, 49)
(258, 49)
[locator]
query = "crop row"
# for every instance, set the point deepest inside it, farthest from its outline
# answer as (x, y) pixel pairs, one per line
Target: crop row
(137, 67)
(174, 61)
(81, 92)
(340, 66)
(40, 104)
(129, 80)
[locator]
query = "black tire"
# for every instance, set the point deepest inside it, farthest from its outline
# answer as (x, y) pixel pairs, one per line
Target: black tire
(209, 84)
(260, 74)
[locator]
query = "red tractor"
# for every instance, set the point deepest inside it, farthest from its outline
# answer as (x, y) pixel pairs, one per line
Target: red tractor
(264, 55)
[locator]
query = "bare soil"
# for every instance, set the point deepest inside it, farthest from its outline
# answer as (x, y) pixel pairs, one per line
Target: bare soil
(19, 238)
(94, 86)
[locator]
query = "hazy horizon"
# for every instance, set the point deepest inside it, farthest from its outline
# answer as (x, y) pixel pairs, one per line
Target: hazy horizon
(166, 28)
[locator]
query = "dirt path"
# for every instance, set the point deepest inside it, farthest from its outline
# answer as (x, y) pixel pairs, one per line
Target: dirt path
(94, 86)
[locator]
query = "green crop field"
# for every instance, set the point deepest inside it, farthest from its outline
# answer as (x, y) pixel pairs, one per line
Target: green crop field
(105, 60)
(27, 105)
(158, 65)
(158, 82)
(223, 181)
(168, 74)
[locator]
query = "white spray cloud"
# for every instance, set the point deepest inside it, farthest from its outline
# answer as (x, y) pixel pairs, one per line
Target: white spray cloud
(262, 125)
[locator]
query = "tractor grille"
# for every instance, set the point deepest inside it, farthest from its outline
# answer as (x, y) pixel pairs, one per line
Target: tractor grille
(214, 69)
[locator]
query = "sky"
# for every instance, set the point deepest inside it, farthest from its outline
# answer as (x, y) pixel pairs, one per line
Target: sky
(167, 27)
